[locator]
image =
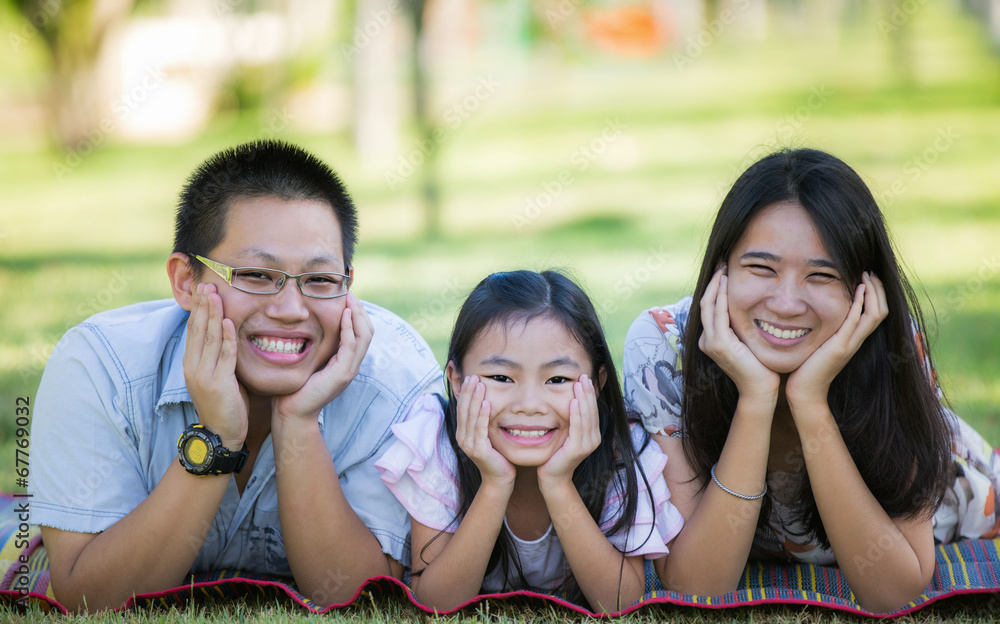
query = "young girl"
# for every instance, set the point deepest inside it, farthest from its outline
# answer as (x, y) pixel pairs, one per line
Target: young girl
(531, 477)
(797, 400)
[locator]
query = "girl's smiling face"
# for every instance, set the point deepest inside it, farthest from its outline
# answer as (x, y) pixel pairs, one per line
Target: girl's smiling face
(786, 298)
(529, 369)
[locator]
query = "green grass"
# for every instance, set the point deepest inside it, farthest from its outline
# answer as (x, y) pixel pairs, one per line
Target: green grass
(969, 609)
(630, 225)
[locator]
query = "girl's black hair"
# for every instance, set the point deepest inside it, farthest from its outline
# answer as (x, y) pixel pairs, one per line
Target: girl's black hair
(884, 400)
(514, 297)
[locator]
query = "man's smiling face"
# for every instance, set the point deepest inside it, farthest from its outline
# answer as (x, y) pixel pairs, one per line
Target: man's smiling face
(285, 337)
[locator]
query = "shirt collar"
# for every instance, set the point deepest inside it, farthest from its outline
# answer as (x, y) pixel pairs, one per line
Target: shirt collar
(173, 388)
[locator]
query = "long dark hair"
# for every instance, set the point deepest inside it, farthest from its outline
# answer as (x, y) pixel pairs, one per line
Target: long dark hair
(516, 297)
(884, 400)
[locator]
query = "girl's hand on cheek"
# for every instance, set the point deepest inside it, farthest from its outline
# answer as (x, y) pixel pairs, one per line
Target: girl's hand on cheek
(584, 435)
(472, 433)
(719, 342)
(810, 383)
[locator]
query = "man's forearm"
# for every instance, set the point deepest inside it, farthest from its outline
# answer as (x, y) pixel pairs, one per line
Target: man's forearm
(150, 549)
(330, 550)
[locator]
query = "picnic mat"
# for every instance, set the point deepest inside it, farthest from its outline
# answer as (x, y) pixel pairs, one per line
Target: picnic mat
(964, 567)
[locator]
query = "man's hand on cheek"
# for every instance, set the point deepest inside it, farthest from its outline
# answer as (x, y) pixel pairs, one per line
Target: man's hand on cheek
(210, 368)
(329, 382)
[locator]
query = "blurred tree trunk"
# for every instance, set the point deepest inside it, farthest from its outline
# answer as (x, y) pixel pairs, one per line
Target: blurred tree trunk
(711, 10)
(73, 34)
(426, 129)
(373, 55)
(896, 28)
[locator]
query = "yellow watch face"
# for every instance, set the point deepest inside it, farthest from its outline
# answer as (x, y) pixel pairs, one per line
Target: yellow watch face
(196, 451)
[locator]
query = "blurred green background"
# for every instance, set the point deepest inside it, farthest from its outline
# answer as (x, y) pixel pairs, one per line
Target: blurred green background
(597, 137)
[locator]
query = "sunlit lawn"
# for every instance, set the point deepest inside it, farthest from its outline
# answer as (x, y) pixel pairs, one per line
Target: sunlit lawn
(629, 224)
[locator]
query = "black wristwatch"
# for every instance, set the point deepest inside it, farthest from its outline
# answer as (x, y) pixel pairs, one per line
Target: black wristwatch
(201, 453)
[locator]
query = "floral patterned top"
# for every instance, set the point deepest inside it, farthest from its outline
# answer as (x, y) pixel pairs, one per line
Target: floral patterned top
(653, 391)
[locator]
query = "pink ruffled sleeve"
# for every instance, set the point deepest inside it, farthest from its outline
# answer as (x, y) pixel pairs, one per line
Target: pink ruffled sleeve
(650, 533)
(419, 467)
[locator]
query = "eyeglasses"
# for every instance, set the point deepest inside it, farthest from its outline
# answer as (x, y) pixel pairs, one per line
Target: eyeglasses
(258, 281)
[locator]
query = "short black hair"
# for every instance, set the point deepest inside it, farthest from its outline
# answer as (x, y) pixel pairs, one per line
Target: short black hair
(257, 169)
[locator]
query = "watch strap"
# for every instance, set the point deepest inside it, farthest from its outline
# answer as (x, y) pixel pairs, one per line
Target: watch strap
(225, 461)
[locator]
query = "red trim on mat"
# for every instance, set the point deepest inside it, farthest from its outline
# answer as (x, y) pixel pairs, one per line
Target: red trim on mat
(17, 597)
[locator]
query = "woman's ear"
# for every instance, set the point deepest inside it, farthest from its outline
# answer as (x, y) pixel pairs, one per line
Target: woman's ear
(454, 377)
(182, 280)
(602, 377)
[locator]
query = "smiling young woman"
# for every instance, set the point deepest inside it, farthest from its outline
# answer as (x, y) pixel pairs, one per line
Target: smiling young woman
(795, 396)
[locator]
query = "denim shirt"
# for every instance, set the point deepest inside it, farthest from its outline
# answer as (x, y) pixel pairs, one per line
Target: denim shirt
(113, 402)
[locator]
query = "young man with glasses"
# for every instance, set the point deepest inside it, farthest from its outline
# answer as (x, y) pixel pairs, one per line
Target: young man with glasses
(236, 425)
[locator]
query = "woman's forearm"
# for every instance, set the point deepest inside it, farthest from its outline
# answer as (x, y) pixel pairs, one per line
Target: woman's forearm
(886, 562)
(709, 554)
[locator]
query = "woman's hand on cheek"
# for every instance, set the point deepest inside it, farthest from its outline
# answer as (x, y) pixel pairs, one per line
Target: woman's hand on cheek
(583, 438)
(719, 342)
(810, 383)
(472, 433)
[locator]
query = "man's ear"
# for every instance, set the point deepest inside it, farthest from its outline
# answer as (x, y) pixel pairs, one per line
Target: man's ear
(602, 377)
(454, 377)
(182, 280)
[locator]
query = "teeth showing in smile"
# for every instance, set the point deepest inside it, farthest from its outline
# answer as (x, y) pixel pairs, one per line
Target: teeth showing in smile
(286, 345)
(785, 334)
(526, 434)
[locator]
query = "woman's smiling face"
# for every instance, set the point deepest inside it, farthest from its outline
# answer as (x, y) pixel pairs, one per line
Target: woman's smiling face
(786, 297)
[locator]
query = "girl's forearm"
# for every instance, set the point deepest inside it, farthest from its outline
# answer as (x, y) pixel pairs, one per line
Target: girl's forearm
(608, 584)
(455, 574)
(886, 563)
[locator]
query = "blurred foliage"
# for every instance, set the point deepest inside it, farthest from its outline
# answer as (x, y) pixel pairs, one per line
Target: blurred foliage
(518, 188)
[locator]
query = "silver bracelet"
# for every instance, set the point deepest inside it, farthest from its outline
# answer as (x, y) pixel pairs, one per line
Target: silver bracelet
(736, 494)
